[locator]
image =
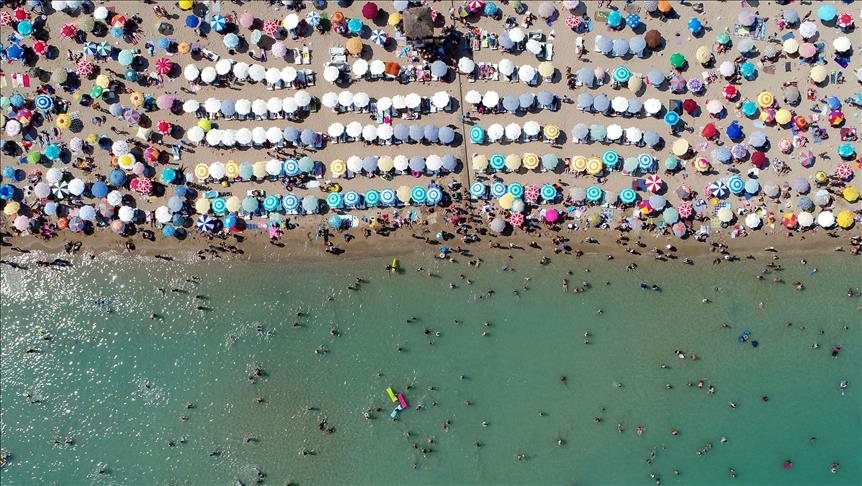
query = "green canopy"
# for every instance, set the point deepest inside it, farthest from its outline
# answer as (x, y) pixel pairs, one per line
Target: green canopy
(677, 60)
(34, 157)
(722, 38)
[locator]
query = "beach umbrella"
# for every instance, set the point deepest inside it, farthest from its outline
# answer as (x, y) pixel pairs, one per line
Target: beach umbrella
(478, 190)
(826, 219)
(621, 74)
(805, 219)
(845, 219)
(620, 48)
(586, 76)
(677, 60)
(757, 139)
(594, 194)
(654, 183)
(844, 171)
(418, 195)
(548, 193)
(477, 134)
(671, 118)
(526, 73)
(580, 131)
(846, 150)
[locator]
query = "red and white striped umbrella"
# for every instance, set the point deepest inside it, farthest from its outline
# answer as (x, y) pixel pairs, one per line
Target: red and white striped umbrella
(572, 21)
(270, 27)
(844, 171)
(164, 65)
(531, 193)
(141, 185)
(653, 183)
(685, 209)
(40, 47)
(475, 5)
(84, 68)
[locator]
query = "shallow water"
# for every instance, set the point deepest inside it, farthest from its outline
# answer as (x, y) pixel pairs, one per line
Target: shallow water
(117, 382)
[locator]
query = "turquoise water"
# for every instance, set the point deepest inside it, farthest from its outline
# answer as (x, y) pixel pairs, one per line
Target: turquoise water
(116, 382)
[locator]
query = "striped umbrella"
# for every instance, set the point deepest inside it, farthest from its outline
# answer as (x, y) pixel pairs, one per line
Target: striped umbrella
(76, 224)
(765, 99)
(516, 190)
(530, 161)
(497, 161)
(685, 209)
(610, 159)
(579, 163)
(290, 202)
(313, 18)
(739, 151)
(477, 134)
(594, 193)
(270, 27)
(806, 158)
(90, 48)
(205, 223)
(654, 183)
(388, 197)
(164, 65)
(434, 196)
(271, 203)
(594, 166)
(106, 210)
(84, 68)
(628, 195)
(478, 190)
(202, 171)
(334, 200)
(372, 197)
(219, 206)
(379, 37)
(231, 169)
(44, 102)
(516, 219)
(133, 117)
(338, 168)
(351, 199)
(551, 132)
(103, 49)
(548, 193)
(531, 193)
(844, 171)
(498, 189)
(418, 194)
(217, 22)
(291, 167)
(717, 189)
(621, 74)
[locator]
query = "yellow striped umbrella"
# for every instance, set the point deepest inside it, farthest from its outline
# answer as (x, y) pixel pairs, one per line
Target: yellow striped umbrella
(202, 206)
(338, 168)
(403, 194)
(103, 81)
(531, 161)
(126, 161)
(231, 169)
(136, 98)
(552, 132)
(479, 162)
(202, 171)
(233, 204)
(579, 163)
(765, 99)
(594, 166)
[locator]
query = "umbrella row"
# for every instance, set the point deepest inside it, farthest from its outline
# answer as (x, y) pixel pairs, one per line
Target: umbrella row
(385, 133)
(213, 107)
(240, 71)
(524, 73)
(638, 45)
(602, 104)
(372, 164)
(231, 170)
(513, 104)
(360, 101)
(255, 136)
(593, 165)
(583, 133)
(513, 132)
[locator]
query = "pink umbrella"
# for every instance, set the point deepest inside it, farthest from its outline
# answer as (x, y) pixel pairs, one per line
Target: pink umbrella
(807, 50)
(84, 68)
(572, 21)
(164, 65)
(531, 193)
(653, 183)
(141, 185)
(165, 101)
(270, 27)
(5, 18)
(552, 215)
(844, 171)
(21, 222)
(279, 49)
(151, 154)
(516, 219)
(246, 20)
(685, 209)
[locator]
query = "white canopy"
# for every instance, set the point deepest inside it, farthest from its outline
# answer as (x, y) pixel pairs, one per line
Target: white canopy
(335, 130)
(191, 72)
(331, 73)
(376, 67)
(223, 66)
(490, 99)
(513, 131)
(329, 100)
(208, 75)
(361, 99)
(345, 98)
(257, 73)
(354, 129)
(466, 65)
(240, 71)
(532, 128)
(360, 67)
(412, 101)
(440, 99)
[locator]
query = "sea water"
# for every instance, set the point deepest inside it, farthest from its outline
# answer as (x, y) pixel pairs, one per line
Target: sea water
(114, 383)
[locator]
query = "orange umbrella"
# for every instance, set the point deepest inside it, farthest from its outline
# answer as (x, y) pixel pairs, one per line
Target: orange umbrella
(664, 6)
(354, 45)
(62, 223)
(337, 18)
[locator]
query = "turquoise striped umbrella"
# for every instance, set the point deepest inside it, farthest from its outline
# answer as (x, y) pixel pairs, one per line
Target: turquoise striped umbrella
(628, 195)
(372, 197)
(477, 134)
(594, 194)
(610, 159)
(290, 202)
(645, 162)
(418, 194)
(291, 168)
(219, 206)
(271, 203)
(516, 190)
(334, 200)
(736, 184)
(498, 189)
(434, 196)
(548, 193)
(622, 74)
(497, 161)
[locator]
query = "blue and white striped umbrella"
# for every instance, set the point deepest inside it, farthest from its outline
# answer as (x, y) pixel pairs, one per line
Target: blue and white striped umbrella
(372, 197)
(271, 203)
(334, 200)
(219, 206)
(478, 190)
(434, 196)
(291, 168)
(718, 189)
(217, 22)
(594, 194)
(498, 189)
(90, 48)
(548, 193)
(313, 18)
(418, 194)
(497, 161)
(736, 184)
(43, 102)
(379, 37)
(290, 202)
(103, 49)
(205, 223)
(388, 197)
(351, 199)
(516, 190)
(645, 162)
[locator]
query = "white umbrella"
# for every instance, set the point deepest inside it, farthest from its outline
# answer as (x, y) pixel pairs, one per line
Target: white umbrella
(516, 35)
(805, 219)
(473, 97)
(42, 190)
(412, 101)
(361, 99)
(273, 167)
(490, 99)
(526, 73)
(126, 214)
(532, 128)
(76, 187)
(208, 75)
(401, 163)
(257, 73)
(384, 132)
(354, 129)
(360, 67)
(243, 136)
(273, 75)
(727, 69)
(433, 162)
(228, 138)
(376, 67)
(191, 72)
(513, 131)
(120, 148)
(369, 133)
(534, 47)
(291, 21)
(195, 134)
(825, 219)
(506, 67)
(335, 130)
(345, 98)
(652, 106)
(634, 134)
(54, 175)
(354, 164)
(212, 105)
(163, 214)
(807, 29)
(302, 98)
(223, 66)
(466, 65)
(217, 170)
(289, 104)
(243, 106)
(331, 73)
(240, 71)
(191, 106)
(398, 102)
(440, 99)
(614, 132)
(384, 103)
(495, 132)
(620, 104)
(714, 106)
(213, 137)
(274, 135)
(841, 44)
(274, 105)
(752, 220)
(288, 74)
(258, 107)
(258, 135)
(329, 100)
(115, 198)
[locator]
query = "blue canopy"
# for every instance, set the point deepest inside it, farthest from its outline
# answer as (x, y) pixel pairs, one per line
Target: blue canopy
(99, 189)
(192, 21)
(585, 101)
(734, 131)
(309, 137)
(526, 100)
(417, 133)
(601, 103)
(586, 76)
(401, 132)
(431, 132)
(446, 135)
(511, 104)
(290, 134)
(168, 231)
(827, 12)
